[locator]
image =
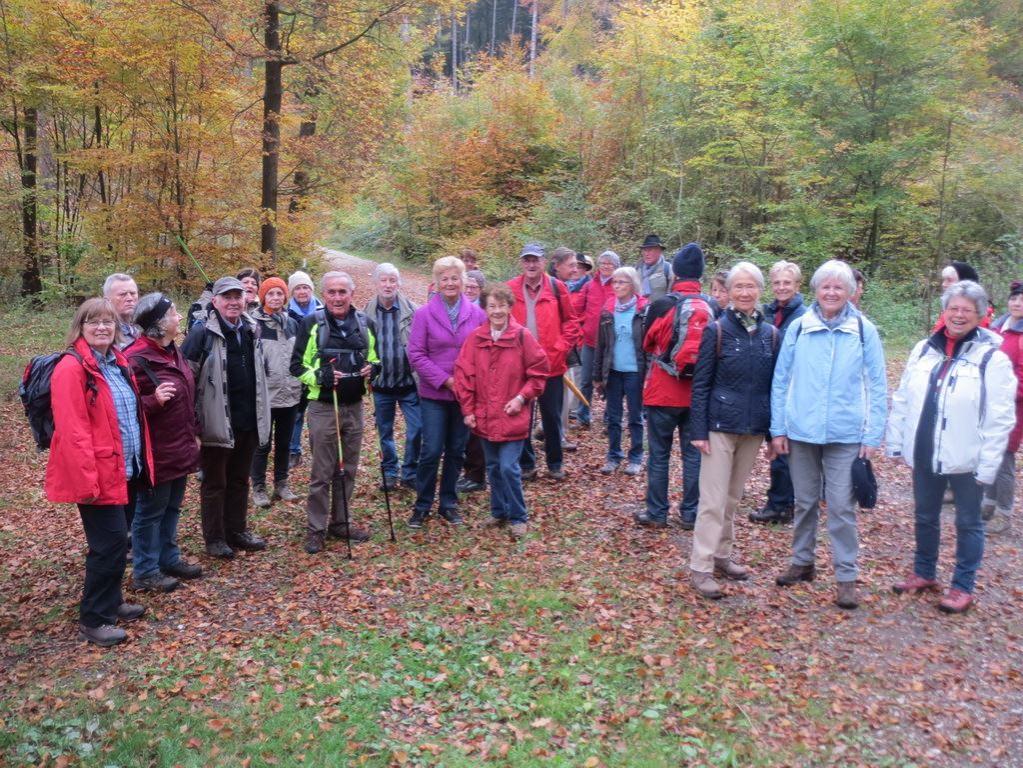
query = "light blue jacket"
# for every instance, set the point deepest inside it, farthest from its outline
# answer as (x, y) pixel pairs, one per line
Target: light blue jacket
(829, 386)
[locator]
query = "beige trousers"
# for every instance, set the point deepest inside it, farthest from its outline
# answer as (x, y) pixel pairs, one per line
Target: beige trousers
(324, 503)
(722, 476)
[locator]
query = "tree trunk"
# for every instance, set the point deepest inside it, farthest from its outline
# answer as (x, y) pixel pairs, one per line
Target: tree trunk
(532, 39)
(31, 280)
(454, 51)
(515, 17)
(272, 96)
(493, 27)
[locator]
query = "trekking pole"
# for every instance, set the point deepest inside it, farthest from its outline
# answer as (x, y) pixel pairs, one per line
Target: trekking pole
(383, 477)
(341, 466)
(194, 260)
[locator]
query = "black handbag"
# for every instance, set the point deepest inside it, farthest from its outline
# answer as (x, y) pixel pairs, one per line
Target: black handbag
(864, 483)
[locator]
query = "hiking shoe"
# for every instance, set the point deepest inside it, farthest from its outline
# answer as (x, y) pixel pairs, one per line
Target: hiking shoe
(130, 612)
(452, 516)
(284, 493)
(352, 532)
(846, 596)
(609, 468)
(155, 582)
(465, 485)
(247, 541)
(556, 474)
(389, 483)
(796, 573)
(644, 519)
(294, 460)
(518, 531)
(494, 522)
(987, 508)
(687, 522)
(219, 548)
(1000, 522)
(955, 601)
(723, 566)
(529, 474)
(259, 497)
(633, 469)
(913, 584)
(765, 515)
(313, 543)
(103, 636)
(569, 446)
(417, 519)
(704, 585)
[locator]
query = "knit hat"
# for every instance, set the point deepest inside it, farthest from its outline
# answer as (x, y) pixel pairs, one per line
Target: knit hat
(965, 271)
(272, 282)
(1015, 288)
(297, 279)
(688, 262)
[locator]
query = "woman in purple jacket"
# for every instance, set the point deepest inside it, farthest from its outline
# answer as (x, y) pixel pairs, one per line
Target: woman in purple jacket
(438, 330)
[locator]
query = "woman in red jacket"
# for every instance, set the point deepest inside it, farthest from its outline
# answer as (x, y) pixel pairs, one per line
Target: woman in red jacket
(998, 497)
(100, 445)
(499, 370)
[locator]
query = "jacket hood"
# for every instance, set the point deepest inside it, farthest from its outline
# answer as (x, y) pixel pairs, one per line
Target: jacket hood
(1015, 327)
(148, 349)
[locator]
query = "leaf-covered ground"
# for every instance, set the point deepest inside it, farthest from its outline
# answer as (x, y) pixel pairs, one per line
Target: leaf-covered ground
(581, 646)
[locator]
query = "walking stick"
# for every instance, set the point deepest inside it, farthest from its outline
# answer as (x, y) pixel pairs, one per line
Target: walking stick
(576, 391)
(383, 477)
(341, 466)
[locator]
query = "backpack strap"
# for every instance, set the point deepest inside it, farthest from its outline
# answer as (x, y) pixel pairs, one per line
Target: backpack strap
(983, 384)
(90, 380)
(149, 371)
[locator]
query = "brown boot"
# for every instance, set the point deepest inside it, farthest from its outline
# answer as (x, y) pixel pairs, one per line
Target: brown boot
(353, 533)
(723, 566)
(494, 522)
(313, 543)
(846, 597)
(795, 574)
(103, 636)
(704, 585)
(518, 530)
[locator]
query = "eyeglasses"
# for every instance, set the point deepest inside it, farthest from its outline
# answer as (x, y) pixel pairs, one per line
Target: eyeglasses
(100, 323)
(960, 310)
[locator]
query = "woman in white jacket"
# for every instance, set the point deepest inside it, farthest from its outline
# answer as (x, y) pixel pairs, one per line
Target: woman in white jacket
(950, 422)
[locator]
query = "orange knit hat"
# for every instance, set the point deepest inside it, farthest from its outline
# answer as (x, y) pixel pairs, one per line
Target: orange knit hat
(267, 284)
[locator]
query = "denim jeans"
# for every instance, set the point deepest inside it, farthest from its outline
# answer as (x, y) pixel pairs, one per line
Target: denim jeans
(549, 403)
(506, 499)
(780, 495)
(621, 388)
(154, 532)
(444, 434)
(296, 433)
(282, 422)
(385, 407)
(662, 422)
(586, 355)
(928, 492)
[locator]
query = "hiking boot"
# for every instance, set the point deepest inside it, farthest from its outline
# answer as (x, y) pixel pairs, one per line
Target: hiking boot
(704, 585)
(389, 483)
(913, 584)
(796, 573)
(529, 474)
(294, 460)
(785, 515)
(569, 446)
(644, 519)
(247, 541)
(687, 522)
(465, 485)
(183, 569)
(284, 493)
(766, 515)
(259, 497)
(955, 601)
(418, 519)
(130, 612)
(352, 533)
(155, 582)
(1000, 522)
(518, 531)
(723, 566)
(633, 469)
(846, 596)
(609, 468)
(103, 636)
(452, 516)
(313, 543)
(494, 522)
(219, 548)
(556, 474)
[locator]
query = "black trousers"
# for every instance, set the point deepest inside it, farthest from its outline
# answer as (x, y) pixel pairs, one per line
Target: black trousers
(224, 494)
(107, 537)
(282, 423)
(475, 465)
(549, 404)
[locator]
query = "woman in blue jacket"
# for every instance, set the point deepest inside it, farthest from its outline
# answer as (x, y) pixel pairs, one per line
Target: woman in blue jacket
(828, 404)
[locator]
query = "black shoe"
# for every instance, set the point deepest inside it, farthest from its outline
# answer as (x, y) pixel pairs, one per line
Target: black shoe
(465, 485)
(294, 460)
(389, 484)
(219, 549)
(687, 523)
(130, 612)
(155, 582)
(418, 519)
(643, 519)
(786, 515)
(313, 543)
(452, 516)
(765, 515)
(183, 569)
(247, 541)
(529, 474)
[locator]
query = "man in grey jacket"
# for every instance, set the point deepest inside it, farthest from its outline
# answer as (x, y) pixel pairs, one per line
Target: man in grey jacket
(234, 414)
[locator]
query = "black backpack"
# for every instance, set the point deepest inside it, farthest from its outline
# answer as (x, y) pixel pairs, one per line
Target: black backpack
(35, 394)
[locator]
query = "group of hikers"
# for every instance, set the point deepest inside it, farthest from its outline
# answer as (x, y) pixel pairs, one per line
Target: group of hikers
(484, 369)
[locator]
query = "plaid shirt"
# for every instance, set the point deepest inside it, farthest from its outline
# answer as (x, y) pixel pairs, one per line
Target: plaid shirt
(127, 412)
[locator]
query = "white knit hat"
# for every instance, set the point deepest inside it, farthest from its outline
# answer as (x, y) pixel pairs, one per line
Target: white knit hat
(299, 278)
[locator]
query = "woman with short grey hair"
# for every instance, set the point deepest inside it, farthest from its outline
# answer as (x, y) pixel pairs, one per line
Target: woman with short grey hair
(832, 358)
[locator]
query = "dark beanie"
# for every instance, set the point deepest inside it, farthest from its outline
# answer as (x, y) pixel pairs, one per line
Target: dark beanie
(965, 271)
(688, 262)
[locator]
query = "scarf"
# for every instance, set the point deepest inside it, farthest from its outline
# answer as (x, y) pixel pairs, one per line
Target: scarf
(750, 321)
(301, 311)
(627, 306)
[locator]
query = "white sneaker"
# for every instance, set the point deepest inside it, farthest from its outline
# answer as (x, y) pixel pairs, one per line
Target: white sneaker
(634, 469)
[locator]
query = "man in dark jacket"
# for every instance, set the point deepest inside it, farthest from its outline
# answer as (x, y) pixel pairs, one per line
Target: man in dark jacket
(787, 306)
(334, 354)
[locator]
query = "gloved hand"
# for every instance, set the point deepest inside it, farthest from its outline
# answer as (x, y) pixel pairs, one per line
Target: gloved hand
(325, 377)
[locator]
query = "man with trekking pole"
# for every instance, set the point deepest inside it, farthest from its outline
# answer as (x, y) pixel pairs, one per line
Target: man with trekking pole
(335, 353)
